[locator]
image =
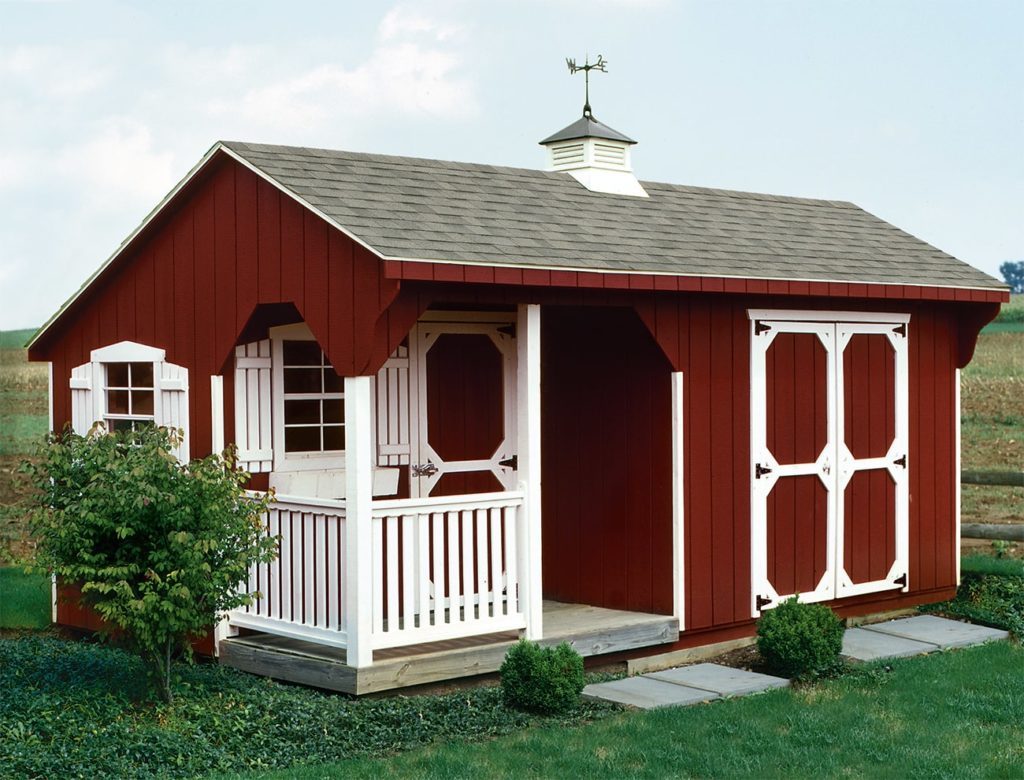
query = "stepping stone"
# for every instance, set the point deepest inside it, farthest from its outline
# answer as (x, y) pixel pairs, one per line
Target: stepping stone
(723, 680)
(646, 694)
(942, 632)
(862, 645)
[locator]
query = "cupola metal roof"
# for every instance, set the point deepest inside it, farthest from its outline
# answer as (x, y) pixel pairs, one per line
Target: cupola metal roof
(587, 127)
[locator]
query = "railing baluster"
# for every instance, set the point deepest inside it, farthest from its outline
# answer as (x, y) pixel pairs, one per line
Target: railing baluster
(454, 599)
(377, 573)
(511, 561)
(494, 538)
(422, 570)
(393, 569)
(408, 572)
(482, 581)
(468, 615)
(437, 606)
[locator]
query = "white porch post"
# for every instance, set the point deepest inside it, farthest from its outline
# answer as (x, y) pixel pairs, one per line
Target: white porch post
(678, 538)
(528, 422)
(358, 507)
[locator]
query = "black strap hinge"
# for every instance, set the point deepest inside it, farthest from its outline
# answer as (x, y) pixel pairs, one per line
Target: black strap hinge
(901, 580)
(508, 330)
(510, 463)
(760, 327)
(901, 461)
(760, 471)
(901, 330)
(762, 602)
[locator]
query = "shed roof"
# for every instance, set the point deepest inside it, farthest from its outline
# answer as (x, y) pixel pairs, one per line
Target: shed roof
(415, 209)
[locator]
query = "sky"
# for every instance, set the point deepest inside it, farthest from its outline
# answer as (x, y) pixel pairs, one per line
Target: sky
(913, 109)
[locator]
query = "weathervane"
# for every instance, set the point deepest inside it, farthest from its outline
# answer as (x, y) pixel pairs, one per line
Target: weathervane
(586, 67)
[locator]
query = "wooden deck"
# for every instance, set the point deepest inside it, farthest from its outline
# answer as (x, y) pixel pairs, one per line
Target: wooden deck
(591, 630)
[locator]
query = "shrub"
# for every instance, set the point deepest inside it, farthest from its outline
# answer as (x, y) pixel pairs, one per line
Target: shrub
(995, 599)
(539, 679)
(800, 640)
(158, 547)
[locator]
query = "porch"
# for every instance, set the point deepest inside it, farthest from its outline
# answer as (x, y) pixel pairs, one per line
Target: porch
(590, 630)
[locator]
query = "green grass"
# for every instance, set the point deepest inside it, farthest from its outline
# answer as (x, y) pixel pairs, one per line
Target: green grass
(986, 564)
(15, 339)
(956, 714)
(25, 599)
(1012, 312)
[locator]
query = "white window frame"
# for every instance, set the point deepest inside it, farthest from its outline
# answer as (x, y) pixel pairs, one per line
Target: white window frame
(294, 461)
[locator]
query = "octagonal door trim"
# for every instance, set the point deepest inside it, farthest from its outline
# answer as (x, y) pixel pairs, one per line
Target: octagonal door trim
(429, 458)
(864, 552)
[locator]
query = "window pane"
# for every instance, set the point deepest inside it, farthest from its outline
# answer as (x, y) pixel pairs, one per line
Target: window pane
(117, 402)
(301, 412)
(119, 425)
(142, 401)
(142, 374)
(334, 411)
(334, 437)
(117, 375)
(302, 353)
(302, 380)
(302, 439)
(332, 382)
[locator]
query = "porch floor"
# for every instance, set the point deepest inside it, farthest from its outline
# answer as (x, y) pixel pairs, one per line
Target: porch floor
(591, 630)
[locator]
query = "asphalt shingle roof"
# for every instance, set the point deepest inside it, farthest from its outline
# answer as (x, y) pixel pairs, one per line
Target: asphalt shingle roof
(418, 209)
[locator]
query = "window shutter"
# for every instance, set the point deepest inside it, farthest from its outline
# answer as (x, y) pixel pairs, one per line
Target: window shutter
(86, 396)
(393, 410)
(252, 407)
(172, 402)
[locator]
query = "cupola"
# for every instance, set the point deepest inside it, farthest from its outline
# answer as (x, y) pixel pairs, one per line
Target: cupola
(594, 154)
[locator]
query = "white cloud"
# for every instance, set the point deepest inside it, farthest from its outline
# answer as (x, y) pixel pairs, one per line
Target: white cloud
(401, 22)
(119, 160)
(54, 71)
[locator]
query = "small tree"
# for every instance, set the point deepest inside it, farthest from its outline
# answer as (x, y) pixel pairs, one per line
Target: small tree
(158, 547)
(1013, 275)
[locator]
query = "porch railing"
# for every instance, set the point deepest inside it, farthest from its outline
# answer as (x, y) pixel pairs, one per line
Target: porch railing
(440, 568)
(301, 592)
(447, 567)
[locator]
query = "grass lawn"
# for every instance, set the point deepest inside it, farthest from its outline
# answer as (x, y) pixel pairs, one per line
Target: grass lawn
(25, 599)
(955, 714)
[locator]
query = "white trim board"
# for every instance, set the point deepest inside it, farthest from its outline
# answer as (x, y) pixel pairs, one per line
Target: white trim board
(824, 315)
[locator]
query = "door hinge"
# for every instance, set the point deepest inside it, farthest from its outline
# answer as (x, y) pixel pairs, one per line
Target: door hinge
(762, 602)
(901, 461)
(760, 327)
(760, 471)
(510, 463)
(508, 330)
(901, 330)
(901, 580)
(427, 469)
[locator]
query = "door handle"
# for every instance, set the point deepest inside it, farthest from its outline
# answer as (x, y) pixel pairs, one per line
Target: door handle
(427, 469)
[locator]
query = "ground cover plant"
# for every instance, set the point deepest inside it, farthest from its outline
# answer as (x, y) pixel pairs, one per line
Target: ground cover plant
(991, 592)
(157, 547)
(73, 709)
(955, 714)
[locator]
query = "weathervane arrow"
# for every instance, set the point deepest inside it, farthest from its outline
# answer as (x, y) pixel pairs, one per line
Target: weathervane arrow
(586, 67)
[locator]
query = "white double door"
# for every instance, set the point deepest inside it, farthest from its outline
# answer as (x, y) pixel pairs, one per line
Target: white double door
(829, 468)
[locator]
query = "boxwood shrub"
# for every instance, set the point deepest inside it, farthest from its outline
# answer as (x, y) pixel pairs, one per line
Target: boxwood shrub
(800, 640)
(542, 679)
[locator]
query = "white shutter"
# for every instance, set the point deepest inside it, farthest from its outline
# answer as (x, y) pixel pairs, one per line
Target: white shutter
(171, 407)
(86, 394)
(393, 410)
(252, 407)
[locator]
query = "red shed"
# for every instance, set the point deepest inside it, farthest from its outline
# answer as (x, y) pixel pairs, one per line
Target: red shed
(563, 404)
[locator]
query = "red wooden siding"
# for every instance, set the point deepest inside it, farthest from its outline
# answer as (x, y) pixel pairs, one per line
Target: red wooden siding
(797, 534)
(606, 460)
(869, 528)
(797, 402)
(869, 370)
(230, 243)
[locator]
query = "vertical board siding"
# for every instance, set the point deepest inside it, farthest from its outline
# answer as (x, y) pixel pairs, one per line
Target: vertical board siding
(606, 455)
(191, 283)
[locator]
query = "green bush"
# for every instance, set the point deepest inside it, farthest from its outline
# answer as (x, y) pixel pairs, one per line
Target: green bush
(995, 598)
(800, 640)
(542, 679)
(158, 547)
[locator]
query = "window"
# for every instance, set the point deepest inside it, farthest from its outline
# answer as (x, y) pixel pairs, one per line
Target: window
(314, 411)
(128, 395)
(307, 403)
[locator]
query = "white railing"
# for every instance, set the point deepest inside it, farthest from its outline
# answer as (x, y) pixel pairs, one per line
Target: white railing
(447, 567)
(301, 591)
(440, 568)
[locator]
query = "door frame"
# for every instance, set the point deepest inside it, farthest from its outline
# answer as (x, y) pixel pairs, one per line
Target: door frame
(422, 337)
(835, 464)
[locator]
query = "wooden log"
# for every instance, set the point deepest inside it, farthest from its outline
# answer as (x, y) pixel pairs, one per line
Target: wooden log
(999, 478)
(1007, 532)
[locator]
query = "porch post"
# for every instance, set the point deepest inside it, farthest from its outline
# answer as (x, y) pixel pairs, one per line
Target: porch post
(528, 422)
(678, 537)
(358, 506)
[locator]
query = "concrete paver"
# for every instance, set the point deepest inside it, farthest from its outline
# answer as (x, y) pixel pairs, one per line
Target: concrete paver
(720, 679)
(862, 645)
(647, 694)
(942, 632)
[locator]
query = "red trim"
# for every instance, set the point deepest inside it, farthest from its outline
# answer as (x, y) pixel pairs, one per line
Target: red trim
(538, 277)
